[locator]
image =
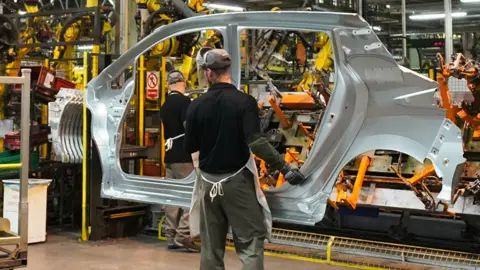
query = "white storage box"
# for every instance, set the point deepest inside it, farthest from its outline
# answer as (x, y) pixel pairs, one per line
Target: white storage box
(37, 207)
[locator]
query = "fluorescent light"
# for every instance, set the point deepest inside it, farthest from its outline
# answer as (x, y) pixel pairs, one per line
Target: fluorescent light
(377, 28)
(22, 12)
(224, 7)
(388, 6)
(436, 16)
(470, 1)
(85, 47)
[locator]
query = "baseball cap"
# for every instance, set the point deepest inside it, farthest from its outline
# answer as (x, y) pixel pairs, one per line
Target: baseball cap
(214, 58)
(175, 76)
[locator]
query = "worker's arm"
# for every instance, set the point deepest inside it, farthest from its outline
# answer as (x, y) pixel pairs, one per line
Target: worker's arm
(191, 142)
(262, 148)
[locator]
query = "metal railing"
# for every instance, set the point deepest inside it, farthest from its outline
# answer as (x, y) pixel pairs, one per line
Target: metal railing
(18, 256)
(362, 254)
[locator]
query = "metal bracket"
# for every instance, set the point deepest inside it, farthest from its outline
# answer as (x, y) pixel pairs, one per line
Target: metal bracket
(373, 46)
(362, 32)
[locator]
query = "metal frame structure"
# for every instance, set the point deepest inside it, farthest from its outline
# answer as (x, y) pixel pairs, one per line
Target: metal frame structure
(90, 11)
(18, 256)
(376, 104)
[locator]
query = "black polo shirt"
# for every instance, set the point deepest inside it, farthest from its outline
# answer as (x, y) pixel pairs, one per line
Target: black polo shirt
(173, 113)
(219, 125)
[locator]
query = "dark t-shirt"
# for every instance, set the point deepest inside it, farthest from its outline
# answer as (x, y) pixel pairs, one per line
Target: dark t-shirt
(173, 113)
(219, 125)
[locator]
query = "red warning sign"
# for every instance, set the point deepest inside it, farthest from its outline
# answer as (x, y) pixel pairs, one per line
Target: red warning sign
(152, 84)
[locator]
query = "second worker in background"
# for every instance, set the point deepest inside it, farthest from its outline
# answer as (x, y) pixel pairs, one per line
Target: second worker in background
(178, 162)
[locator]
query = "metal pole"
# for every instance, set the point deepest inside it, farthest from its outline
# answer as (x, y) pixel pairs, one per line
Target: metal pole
(124, 11)
(360, 7)
(94, 73)
(404, 29)
(117, 30)
(24, 159)
(465, 42)
(448, 29)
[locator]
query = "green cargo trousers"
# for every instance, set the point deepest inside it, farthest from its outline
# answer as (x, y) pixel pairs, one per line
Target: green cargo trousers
(238, 208)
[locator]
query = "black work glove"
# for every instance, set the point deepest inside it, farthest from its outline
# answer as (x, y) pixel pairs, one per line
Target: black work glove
(292, 174)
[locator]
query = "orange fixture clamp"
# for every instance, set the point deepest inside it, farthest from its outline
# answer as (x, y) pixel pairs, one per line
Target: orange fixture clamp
(283, 120)
(298, 101)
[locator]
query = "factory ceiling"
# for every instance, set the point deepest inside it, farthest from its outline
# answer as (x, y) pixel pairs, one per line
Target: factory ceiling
(383, 13)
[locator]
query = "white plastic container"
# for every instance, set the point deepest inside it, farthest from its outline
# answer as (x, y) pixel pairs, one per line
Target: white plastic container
(37, 207)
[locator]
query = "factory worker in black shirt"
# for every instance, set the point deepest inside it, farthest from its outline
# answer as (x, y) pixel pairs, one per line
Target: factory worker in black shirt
(178, 162)
(224, 125)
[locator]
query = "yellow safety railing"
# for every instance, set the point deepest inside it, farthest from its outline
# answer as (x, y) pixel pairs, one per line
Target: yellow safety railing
(163, 90)
(94, 73)
(10, 166)
(141, 107)
(84, 149)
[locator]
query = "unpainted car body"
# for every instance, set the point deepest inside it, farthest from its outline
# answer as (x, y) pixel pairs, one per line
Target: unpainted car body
(376, 104)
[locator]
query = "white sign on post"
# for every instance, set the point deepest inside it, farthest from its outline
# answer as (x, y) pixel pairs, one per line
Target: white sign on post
(153, 79)
(49, 78)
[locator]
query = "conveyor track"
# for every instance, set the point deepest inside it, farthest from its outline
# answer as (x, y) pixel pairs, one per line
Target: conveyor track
(358, 253)
(363, 254)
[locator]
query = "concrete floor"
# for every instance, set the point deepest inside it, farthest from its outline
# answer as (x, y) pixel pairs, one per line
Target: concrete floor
(64, 252)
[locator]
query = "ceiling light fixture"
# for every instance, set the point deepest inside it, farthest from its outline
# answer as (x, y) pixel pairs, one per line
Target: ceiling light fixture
(388, 6)
(470, 1)
(224, 7)
(377, 28)
(85, 47)
(435, 16)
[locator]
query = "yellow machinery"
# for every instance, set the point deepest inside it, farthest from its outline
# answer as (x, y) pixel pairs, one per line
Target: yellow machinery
(74, 29)
(27, 37)
(62, 35)
(154, 14)
(9, 37)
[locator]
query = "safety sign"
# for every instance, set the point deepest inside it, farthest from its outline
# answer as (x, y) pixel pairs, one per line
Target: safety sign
(152, 84)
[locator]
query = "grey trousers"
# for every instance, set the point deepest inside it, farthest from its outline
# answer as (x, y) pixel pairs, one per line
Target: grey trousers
(238, 208)
(177, 218)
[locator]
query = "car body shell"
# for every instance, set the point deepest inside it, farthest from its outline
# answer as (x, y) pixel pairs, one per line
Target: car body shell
(376, 104)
